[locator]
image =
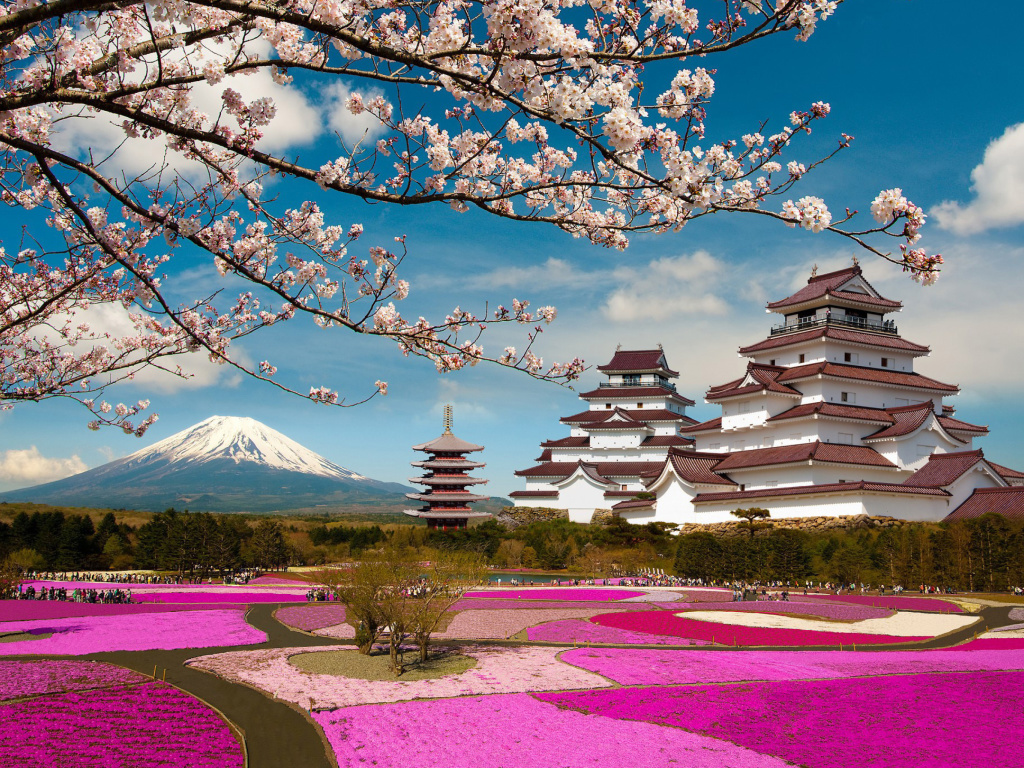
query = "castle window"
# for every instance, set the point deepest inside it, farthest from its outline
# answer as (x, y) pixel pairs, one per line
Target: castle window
(848, 397)
(851, 357)
(771, 362)
(801, 357)
(885, 362)
(631, 379)
(608, 406)
(639, 405)
(846, 438)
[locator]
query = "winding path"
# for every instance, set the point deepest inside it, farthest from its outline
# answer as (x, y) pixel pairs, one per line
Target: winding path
(279, 734)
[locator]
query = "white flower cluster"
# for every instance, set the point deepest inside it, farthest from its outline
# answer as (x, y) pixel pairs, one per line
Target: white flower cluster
(807, 212)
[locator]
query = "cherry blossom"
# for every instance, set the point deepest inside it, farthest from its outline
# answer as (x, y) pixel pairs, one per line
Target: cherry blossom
(588, 117)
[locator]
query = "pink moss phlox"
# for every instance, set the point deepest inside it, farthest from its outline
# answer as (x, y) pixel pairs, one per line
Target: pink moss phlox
(1008, 628)
(516, 731)
(992, 644)
(165, 630)
(1017, 614)
(557, 593)
(579, 631)
(500, 625)
(311, 616)
(150, 724)
(900, 602)
(665, 623)
(279, 580)
(498, 670)
(640, 666)
(26, 610)
(31, 678)
(484, 603)
(224, 596)
(836, 611)
(906, 721)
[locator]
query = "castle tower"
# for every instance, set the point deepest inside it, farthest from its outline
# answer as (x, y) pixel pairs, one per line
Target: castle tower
(446, 498)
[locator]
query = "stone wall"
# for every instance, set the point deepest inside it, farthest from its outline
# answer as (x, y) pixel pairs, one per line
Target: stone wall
(807, 524)
(513, 517)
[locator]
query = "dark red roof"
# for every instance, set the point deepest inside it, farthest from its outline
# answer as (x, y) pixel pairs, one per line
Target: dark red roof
(860, 373)
(816, 451)
(836, 334)
(560, 469)
(637, 361)
(714, 425)
(632, 393)
(640, 414)
(534, 494)
(545, 455)
(1005, 472)
(665, 441)
(620, 494)
(696, 467)
(633, 504)
(860, 486)
(956, 425)
(765, 378)
(905, 419)
(567, 442)
(822, 408)
(831, 284)
(1008, 502)
(941, 469)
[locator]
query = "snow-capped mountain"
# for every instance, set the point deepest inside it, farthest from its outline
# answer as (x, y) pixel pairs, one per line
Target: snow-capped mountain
(222, 464)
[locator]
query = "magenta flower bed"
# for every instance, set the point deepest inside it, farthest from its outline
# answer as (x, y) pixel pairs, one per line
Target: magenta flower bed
(664, 623)
(32, 678)
(516, 731)
(988, 644)
(280, 580)
(557, 593)
(889, 601)
(580, 631)
(835, 611)
(312, 616)
(225, 596)
(165, 630)
(21, 610)
(650, 666)
(150, 724)
(491, 604)
(909, 721)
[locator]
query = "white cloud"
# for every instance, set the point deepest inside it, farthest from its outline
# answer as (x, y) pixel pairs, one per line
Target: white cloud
(353, 129)
(998, 187)
(667, 287)
(28, 467)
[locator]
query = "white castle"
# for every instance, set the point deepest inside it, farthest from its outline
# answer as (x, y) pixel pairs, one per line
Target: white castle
(829, 418)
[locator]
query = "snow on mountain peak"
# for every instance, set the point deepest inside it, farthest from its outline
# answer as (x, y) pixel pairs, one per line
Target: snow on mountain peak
(241, 439)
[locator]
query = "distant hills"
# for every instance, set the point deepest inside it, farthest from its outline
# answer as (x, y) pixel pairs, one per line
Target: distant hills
(224, 464)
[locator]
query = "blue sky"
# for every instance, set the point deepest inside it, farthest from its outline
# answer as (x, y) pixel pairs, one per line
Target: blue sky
(932, 111)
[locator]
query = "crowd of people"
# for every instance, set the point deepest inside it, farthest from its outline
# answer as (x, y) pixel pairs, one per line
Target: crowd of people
(114, 595)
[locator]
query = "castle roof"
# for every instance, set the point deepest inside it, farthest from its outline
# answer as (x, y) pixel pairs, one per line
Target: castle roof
(534, 494)
(801, 452)
(1005, 472)
(758, 378)
(447, 443)
(941, 469)
(1008, 502)
(641, 415)
(831, 285)
(835, 334)
(697, 468)
(861, 373)
(638, 361)
(606, 469)
(835, 410)
(905, 419)
(583, 441)
(828, 489)
(713, 425)
(633, 504)
(632, 393)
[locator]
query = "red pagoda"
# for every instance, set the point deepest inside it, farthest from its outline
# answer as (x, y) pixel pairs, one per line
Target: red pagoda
(447, 500)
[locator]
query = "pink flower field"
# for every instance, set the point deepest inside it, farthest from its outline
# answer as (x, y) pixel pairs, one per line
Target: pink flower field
(488, 603)
(19, 679)
(906, 721)
(221, 596)
(23, 610)
(640, 666)
(579, 631)
(900, 602)
(498, 670)
(834, 611)
(666, 624)
(312, 616)
(150, 724)
(556, 593)
(500, 625)
(178, 629)
(517, 731)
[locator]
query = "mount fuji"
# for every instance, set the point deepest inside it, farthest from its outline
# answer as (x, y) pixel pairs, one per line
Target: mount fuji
(223, 464)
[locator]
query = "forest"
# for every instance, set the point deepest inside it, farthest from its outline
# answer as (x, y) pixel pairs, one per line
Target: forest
(984, 554)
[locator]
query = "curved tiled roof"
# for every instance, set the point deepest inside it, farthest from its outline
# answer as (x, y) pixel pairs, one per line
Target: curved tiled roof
(665, 441)
(447, 443)
(696, 467)
(534, 494)
(821, 408)
(941, 469)
(1008, 502)
(905, 419)
(606, 469)
(1005, 472)
(582, 441)
(714, 425)
(861, 373)
(956, 425)
(637, 361)
(767, 378)
(836, 334)
(831, 284)
(640, 414)
(861, 486)
(634, 504)
(632, 393)
(799, 452)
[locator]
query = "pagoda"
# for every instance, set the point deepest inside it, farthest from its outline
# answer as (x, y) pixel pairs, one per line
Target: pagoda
(446, 498)
(623, 437)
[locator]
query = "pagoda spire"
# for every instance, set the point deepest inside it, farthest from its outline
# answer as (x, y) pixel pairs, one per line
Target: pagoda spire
(447, 419)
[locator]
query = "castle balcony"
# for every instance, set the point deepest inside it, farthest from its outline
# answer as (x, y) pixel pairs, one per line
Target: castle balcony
(634, 383)
(888, 327)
